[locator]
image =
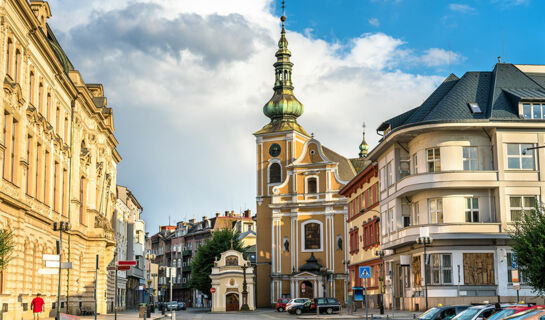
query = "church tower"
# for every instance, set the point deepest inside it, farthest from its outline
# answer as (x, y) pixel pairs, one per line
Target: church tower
(301, 247)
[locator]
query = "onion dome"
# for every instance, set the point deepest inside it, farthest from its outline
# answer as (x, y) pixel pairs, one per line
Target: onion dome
(312, 265)
(364, 147)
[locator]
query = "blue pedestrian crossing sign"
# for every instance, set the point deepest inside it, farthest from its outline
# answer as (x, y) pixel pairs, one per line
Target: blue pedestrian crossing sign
(365, 272)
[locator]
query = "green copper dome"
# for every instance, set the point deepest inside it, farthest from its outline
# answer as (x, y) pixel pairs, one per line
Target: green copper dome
(364, 147)
(283, 105)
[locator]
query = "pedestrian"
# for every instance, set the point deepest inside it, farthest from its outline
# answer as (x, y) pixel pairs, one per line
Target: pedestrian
(37, 306)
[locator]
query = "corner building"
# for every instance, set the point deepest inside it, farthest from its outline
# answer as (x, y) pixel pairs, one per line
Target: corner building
(58, 155)
(301, 229)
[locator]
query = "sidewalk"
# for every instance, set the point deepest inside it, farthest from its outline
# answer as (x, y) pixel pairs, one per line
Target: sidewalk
(360, 314)
(125, 315)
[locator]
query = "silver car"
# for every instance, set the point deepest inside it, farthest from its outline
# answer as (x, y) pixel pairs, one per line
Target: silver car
(296, 302)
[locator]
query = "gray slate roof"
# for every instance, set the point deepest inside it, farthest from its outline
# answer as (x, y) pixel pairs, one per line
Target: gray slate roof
(497, 93)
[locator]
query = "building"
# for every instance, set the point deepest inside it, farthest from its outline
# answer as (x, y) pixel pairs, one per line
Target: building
(151, 274)
(301, 229)
(59, 163)
(460, 168)
(136, 231)
(117, 287)
(364, 233)
(232, 282)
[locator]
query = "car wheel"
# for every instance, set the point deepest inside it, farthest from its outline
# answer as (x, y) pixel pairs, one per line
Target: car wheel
(280, 309)
(329, 311)
(298, 311)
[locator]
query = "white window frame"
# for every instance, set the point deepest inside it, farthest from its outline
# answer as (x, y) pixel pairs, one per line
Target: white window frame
(522, 208)
(415, 213)
(435, 159)
(391, 220)
(441, 268)
(436, 211)
(532, 107)
(271, 161)
(530, 154)
(382, 178)
(471, 210)
(469, 160)
(317, 185)
(389, 173)
(415, 163)
(303, 249)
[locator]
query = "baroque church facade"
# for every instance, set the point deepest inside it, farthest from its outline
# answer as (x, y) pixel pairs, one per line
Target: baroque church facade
(301, 218)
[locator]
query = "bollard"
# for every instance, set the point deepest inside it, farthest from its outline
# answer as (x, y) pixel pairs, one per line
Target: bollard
(414, 315)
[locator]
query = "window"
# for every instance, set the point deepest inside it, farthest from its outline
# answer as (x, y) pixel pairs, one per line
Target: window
(312, 236)
(518, 204)
(82, 200)
(46, 176)
(474, 107)
(9, 55)
(41, 98)
(416, 213)
(64, 191)
(57, 120)
(28, 148)
(434, 159)
(522, 278)
(519, 157)
(37, 169)
(12, 149)
(441, 269)
(435, 210)
(470, 158)
(31, 88)
(415, 163)
(17, 65)
(382, 176)
(391, 219)
(389, 174)
(472, 209)
(533, 111)
(275, 173)
(312, 185)
(55, 186)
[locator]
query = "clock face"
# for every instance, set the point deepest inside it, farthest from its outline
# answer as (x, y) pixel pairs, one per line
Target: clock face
(274, 150)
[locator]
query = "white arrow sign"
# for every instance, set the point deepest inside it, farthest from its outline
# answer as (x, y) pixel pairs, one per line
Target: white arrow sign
(51, 257)
(48, 271)
(55, 264)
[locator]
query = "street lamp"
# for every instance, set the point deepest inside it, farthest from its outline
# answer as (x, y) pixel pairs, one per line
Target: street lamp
(425, 241)
(346, 263)
(380, 253)
(149, 257)
(244, 306)
(61, 227)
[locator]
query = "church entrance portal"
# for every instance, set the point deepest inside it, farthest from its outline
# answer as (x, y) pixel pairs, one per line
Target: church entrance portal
(306, 290)
(231, 302)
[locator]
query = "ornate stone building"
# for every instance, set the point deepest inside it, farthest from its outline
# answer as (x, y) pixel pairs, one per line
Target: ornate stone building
(300, 215)
(58, 155)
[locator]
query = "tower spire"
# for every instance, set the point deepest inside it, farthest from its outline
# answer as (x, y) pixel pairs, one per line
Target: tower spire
(364, 147)
(283, 108)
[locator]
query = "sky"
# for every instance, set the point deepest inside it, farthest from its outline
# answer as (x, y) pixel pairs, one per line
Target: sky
(187, 79)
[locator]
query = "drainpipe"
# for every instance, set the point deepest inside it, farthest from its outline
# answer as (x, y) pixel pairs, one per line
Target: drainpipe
(71, 155)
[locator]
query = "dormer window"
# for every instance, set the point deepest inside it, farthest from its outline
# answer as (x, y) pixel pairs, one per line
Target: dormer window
(533, 111)
(474, 107)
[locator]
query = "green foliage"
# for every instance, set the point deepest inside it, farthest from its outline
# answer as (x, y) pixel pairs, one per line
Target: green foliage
(202, 264)
(529, 247)
(6, 247)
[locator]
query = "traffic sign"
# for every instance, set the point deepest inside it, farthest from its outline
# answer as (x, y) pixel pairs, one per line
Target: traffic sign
(48, 271)
(515, 276)
(51, 257)
(213, 290)
(55, 264)
(514, 264)
(122, 268)
(365, 272)
(126, 263)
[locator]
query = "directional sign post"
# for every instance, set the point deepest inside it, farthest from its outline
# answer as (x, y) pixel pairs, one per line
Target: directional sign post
(365, 273)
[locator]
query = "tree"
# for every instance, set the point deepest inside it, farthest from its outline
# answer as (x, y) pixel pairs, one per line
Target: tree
(529, 247)
(201, 267)
(6, 250)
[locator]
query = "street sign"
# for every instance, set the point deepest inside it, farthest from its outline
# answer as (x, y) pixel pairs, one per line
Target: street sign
(516, 285)
(48, 271)
(122, 268)
(365, 272)
(51, 257)
(126, 263)
(213, 290)
(111, 268)
(55, 264)
(514, 276)
(514, 264)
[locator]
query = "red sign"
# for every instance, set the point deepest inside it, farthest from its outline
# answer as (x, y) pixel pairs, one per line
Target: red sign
(126, 263)
(123, 268)
(213, 290)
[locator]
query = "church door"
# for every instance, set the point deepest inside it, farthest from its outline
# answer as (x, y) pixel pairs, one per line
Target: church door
(306, 290)
(231, 302)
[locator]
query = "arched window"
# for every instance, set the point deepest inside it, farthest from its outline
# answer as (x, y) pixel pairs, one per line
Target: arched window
(9, 55)
(312, 236)
(312, 185)
(31, 88)
(58, 120)
(17, 65)
(275, 173)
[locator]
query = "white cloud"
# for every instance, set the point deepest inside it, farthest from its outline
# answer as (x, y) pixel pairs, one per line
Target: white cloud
(435, 57)
(374, 22)
(511, 3)
(188, 81)
(462, 8)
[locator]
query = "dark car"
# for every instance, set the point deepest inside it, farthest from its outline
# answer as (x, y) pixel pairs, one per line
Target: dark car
(442, 313)
(281, 304)
(325, 305)
(181, 306)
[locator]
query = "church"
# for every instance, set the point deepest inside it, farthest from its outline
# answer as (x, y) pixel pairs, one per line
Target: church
(301, 218)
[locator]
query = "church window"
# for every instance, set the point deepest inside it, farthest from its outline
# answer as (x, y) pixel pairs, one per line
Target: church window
(275, 173)
(312, 236)
(312, 185)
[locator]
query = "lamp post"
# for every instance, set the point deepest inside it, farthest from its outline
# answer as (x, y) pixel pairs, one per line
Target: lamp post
(425, 241)
(244, 306)
(325, 274)
(380, 253)
(346, 263)
(61, 227)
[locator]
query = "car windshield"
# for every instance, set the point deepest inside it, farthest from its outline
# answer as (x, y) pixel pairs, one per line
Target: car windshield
(525, 314)
(429, 314)
(467, 314)
(300, 300)
(502, 314)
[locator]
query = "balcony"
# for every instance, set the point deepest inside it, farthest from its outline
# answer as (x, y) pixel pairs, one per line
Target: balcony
(135, 272)
(187, 253)
(138, 249)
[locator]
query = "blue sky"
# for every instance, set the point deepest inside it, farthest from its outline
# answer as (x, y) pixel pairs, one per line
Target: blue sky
(187, 79)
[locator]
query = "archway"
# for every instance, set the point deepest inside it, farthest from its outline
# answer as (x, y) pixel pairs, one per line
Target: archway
(231, 302)
(306, 290)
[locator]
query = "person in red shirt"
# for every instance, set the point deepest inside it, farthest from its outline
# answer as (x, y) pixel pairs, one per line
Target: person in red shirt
(37, 305)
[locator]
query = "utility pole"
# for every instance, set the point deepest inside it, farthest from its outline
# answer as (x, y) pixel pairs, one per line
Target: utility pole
(96, 286)
(61, 226)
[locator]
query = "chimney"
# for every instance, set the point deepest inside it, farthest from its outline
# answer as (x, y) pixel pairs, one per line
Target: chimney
(42, 12)
(247, 213)
(192, 221)
(232, 213)
(218, 214)
(204, 218)
(226, 213)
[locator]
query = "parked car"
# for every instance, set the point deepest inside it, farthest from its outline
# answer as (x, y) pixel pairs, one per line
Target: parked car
(442, 312)
(172, 305)
(481, 312)
(296, 302)
(281, 304)
(181, 306)
(325, 305)
(537, 313)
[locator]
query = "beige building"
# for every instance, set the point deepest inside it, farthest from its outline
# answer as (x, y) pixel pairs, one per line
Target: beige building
(228, 282)
(59, 158)
(301, 229)
(460, 169)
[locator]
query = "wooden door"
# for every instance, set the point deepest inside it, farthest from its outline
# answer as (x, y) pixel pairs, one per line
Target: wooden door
(231, 302)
